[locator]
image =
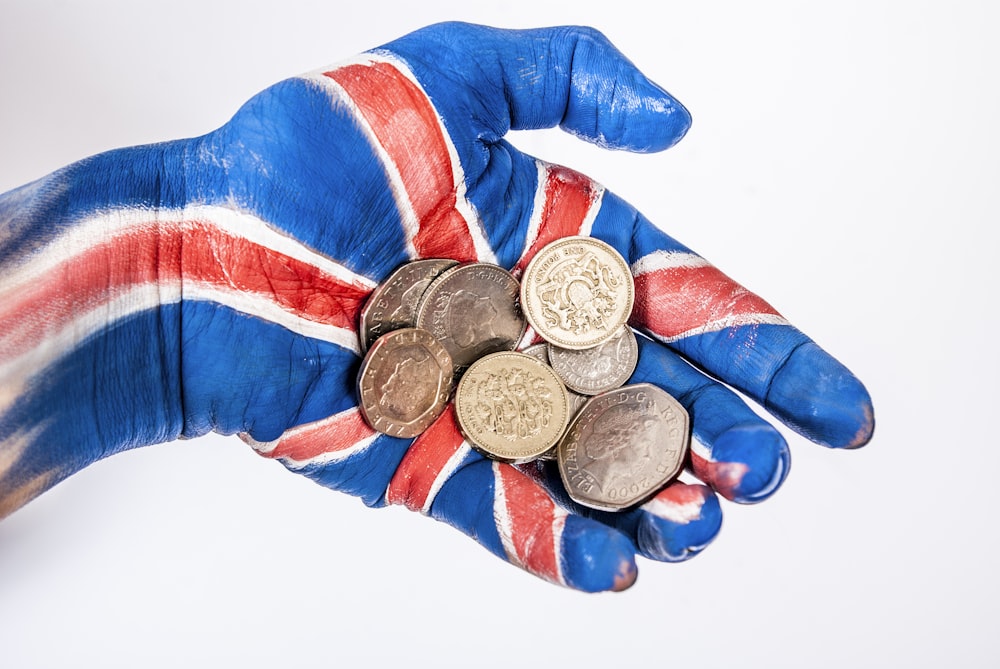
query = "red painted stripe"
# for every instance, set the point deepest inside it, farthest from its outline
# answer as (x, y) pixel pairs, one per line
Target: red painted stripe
(406, 125)
(424, 461)
(683, 494)
(672, 301)
(569, 196)
(532, 514)
(197, 252)
(724, 477)
(337, 433)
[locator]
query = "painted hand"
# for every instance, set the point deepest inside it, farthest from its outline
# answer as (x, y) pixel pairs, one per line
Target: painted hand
(251, 255)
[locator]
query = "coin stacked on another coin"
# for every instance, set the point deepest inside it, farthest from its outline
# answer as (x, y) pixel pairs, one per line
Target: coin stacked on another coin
(436, 322)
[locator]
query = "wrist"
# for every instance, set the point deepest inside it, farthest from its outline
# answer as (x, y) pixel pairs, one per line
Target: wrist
(89, 316)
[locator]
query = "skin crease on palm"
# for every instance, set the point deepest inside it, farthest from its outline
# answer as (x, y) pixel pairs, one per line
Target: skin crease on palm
(214, 284)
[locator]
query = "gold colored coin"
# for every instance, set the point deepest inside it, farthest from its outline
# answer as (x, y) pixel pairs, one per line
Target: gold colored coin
(577, 292)
(511, 407)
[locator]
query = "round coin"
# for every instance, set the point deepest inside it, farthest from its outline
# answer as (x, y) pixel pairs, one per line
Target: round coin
(393, 304)
(623, 446)
(511, 407)
(404, 382)
(577, 292)
(473, 310)
(591, 371)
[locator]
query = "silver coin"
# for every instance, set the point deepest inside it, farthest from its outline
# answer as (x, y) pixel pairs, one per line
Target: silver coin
(577, 292)
(473, 310)
(404, 382)
(576, 400)
(393, 304)
(511, 407)
(591, 371)
(623, 447)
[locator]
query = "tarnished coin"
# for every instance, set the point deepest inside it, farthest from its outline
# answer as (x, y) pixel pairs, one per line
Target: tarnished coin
(577, 292)
(591, 371)
(393, 304)
(511, 407)
(473, 310)
(404, 382)
(623, 446)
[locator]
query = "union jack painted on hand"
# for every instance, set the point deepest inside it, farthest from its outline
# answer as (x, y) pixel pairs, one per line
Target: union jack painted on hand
(214, 283)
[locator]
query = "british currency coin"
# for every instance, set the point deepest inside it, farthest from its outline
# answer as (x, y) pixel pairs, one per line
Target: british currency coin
(511, 407)
(394, 302)
(591, 371)
(473, 310)
(404, 382)
(577, 292)
(576, 401)
(623, 446)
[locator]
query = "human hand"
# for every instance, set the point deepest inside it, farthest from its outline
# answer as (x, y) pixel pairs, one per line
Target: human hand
(288, 215)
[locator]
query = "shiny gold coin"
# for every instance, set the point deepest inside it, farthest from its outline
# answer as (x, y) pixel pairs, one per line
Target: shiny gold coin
(577, 292)
(511, 407)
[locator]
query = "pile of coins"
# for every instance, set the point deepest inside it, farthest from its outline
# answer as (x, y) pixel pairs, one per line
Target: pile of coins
(436, 323)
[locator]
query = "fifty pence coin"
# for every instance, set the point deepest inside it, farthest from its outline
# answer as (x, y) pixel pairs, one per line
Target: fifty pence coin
(591, 371)
(511, 407)
(404, 383)
(577, 292)
(393, 304)
(473, 310)
(623, 446)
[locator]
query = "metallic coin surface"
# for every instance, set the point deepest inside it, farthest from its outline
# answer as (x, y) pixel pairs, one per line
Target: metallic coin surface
(404, 382)
(577, 292)
(591, 371)
(623, 446)
(511, 407)
(473, 310)
(393, 304)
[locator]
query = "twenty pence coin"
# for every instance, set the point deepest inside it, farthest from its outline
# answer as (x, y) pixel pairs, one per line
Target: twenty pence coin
(404, 383)
(511, 407)
(591, 371)
(473, 310)
(623, 446)
(394, 302)
(577, 292)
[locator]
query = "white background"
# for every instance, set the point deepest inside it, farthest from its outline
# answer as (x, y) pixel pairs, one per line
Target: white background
(843, 163)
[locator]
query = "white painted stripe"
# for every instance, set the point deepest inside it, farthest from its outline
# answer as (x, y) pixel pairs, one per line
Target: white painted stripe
(537, 209)
(681, 514)
(587, 225)
(659, 260)
(731, 321)
(558, 525)
(442, 476)
(501, 515)
(254, 304)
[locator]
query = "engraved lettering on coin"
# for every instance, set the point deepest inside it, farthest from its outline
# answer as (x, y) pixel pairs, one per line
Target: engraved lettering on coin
(577, 291)
(511, 407)
(473, 310)
(623, 446)
(404, 382)
(393, 304)
(591, 371)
